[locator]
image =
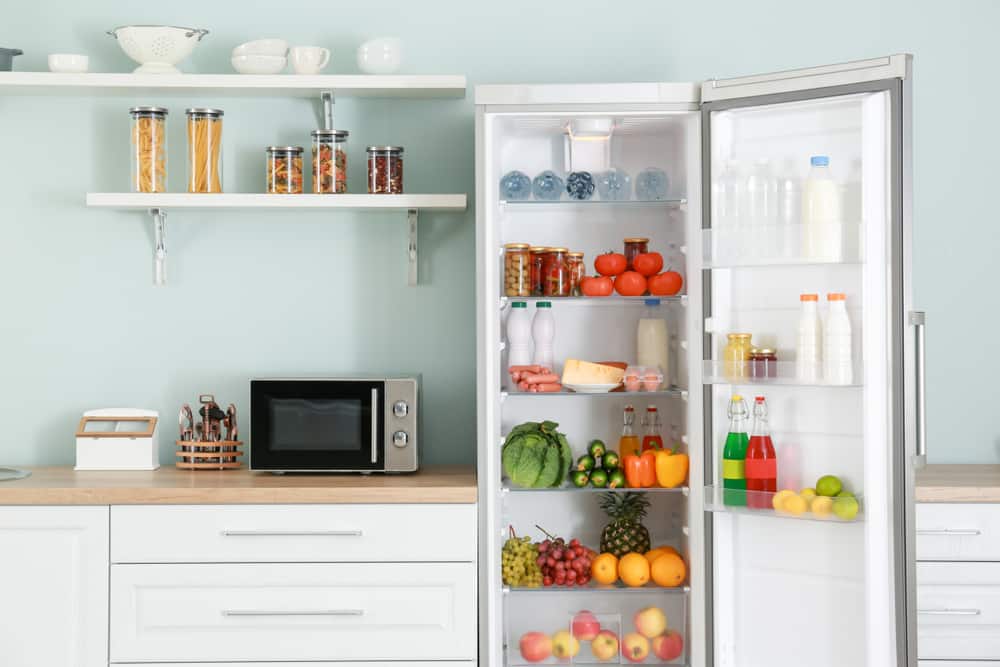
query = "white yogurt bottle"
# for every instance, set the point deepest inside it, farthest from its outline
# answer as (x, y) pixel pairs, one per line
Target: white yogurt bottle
(808, 347)
(838, 366)
(543, 333)
(518, 337)
(822, 222)
(652, 340)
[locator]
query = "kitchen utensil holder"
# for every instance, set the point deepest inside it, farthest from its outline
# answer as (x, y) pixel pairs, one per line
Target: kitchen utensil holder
(209, 455)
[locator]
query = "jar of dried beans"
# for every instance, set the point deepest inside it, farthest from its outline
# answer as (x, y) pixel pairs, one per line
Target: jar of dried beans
(149, 149)
(329, 161)
(516, 270)
(385, 170)
(204, 128)
(556, 271)
(538, 254)
(284, 170)
(577, 270)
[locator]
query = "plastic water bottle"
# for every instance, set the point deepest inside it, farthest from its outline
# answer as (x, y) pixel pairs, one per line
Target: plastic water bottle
(543, 332)
(761, 200)
(808, 348)
(727, 197)
(518, 336)
(789, 215)
(838, 366)
(822, 222)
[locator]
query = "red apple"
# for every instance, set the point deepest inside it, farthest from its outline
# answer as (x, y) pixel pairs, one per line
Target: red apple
(605, 645)
(650, 622)
(635, 647)
(585, 626)
(535, 646)
(669, 646)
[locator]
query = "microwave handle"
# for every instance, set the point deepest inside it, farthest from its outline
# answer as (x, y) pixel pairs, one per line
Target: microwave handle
(374, 425)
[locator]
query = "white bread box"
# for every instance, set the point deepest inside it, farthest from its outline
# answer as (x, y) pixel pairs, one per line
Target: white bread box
(117, 439)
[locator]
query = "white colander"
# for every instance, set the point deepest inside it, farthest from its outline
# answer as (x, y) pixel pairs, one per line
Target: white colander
(157, 48)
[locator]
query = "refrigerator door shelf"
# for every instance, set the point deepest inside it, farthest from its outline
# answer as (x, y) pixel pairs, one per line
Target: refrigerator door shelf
(761, 504)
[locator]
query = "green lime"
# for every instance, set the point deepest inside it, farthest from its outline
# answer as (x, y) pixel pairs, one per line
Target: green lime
(579, 478)
(846, 507)
(597, 448)
(828, 485)
(585, 463)
(616, 479)
(599, 478)
(845, 494)
(611, 460)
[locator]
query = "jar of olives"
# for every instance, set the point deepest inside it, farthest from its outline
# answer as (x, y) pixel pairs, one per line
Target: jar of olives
(516, 269)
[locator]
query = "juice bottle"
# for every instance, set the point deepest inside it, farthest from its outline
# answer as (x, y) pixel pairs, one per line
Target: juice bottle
(761, 462)
(629, 442)
(734, 454)
(651, 438)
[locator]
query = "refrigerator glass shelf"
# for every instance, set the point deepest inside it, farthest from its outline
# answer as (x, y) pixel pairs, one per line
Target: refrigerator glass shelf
(779, 245)
(673, 392)
(716, 501)
(596, 300)
(714, 372)
(507, 487)
(568, 204)
(599, 588)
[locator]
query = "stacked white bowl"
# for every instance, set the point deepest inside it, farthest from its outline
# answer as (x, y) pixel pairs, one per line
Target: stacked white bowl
(261, 56)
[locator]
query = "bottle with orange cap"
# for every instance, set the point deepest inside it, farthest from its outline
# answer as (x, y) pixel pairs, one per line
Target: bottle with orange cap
(838, 364)
(808, 348)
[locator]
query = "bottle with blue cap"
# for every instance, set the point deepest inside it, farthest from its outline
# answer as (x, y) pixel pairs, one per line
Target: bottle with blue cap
(822, 222)
(653, 342)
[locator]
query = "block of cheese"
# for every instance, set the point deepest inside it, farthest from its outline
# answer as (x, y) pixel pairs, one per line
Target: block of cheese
(585, 372)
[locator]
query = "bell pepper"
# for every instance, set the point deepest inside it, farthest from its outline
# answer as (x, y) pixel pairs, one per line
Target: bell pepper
(648, 469)
(671, 469)
(632, 465)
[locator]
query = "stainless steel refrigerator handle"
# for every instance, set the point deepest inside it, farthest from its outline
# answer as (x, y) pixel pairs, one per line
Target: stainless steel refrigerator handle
(949, 612)
(918, 319)
(374, 425)
(951, 531)
(291, 533)
(293, 612)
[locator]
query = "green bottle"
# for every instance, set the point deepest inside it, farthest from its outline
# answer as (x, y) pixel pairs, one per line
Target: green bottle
(734, 481)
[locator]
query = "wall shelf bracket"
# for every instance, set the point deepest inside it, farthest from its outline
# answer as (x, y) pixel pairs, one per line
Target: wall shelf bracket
(159, 217)
(327, 101)
(411, 219)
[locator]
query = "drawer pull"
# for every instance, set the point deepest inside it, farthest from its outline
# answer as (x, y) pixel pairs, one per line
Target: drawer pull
(293, 612)
(291, 533)
(951, 531)
(949, 612)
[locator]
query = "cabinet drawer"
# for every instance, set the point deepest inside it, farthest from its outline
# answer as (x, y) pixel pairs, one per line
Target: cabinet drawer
(292, 533)
(293, 612)
(958, 611)
(956, 663)
(437, 663)
(965, 531)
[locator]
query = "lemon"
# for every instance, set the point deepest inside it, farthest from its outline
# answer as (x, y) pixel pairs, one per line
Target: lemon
(795, 504)
(828, 485)
(821, 506)
(808, 493)
(846, 507)
(778, 501)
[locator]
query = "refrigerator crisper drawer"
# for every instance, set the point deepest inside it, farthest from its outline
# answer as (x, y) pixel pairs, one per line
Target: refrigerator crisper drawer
(958, 531)
(958, 611)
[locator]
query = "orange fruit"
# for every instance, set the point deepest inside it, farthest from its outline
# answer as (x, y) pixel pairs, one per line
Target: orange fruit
(633, 568)
(653, 554)
(604, 569)
(669, 570)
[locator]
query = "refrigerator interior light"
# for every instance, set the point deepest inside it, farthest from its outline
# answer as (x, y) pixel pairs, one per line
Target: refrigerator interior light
(588, 144)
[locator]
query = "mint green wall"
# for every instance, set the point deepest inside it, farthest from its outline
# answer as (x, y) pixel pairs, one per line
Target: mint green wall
(273, 293)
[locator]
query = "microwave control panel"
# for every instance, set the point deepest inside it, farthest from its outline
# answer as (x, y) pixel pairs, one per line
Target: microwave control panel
(401, 425)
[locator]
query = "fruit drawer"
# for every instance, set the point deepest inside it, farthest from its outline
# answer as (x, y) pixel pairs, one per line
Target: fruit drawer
(611, 626)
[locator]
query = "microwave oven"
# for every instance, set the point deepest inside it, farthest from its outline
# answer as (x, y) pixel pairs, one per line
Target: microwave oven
(333, 424)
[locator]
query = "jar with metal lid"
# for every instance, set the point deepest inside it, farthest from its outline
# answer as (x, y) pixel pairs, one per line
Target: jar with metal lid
(329, 161)
(736, 356)
(149, 149)
(516, 269)
(634, 246)
(204, 130)
(385, 170)
(763, 362)
(576, 268)
(556, 273)
(284, 170)
(538, 254)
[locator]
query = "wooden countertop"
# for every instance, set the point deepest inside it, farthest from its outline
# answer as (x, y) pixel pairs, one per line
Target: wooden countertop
(61, 485)
(966, 483)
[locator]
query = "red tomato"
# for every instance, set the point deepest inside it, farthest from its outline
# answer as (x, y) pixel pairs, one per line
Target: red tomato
(610, 263)
(648, 263)
(596, 286)
(630, 283)
(667, 283)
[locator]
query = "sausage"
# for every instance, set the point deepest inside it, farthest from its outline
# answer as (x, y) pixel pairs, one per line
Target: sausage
(531, 368)
(542, 378)
(523, 386)
(547, 387)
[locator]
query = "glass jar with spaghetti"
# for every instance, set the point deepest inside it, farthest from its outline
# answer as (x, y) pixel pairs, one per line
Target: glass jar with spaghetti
(284, 170)
(385, 170)
(556, 273)
(329, 161)
(204, 130)
(149, 149)
(576, 268)
(537, 272)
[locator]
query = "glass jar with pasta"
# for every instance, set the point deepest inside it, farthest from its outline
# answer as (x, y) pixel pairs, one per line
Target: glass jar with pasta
(284, 170)
(204, 130)
(149, 149)
(329, 161)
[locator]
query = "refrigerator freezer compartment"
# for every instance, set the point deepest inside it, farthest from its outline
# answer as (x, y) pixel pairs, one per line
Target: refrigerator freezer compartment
(761, 503)
(717, 372)
(777, 245)
(569, 626)
(541, 206)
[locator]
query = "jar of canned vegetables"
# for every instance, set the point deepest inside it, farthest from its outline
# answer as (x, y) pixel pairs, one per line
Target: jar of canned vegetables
(329, 161)
(284, 170)
(577, 270)
(516, 269)
(634, 246)
(204, 129)
(149, 149)
(538, 254)
(385, 170)
(556, 271)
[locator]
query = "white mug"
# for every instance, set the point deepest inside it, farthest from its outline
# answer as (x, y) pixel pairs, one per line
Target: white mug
(308, 59)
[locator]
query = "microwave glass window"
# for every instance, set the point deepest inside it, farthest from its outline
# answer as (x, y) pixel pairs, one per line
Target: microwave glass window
(328, 425)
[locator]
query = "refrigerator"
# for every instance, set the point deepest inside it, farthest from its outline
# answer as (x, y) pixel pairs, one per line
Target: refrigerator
(763, 587)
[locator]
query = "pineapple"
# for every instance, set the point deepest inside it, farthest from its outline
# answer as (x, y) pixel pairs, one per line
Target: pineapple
(625, 533)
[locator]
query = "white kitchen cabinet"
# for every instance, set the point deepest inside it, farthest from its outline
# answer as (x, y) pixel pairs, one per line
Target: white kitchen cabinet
(958, 532)
(54, 601)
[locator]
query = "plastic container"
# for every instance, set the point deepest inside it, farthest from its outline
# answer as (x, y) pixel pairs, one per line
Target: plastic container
(838, 365)
(385, 170)
(149, 149)
(809, 344)
(736, 356)
(518, 337)
(537, 272)
(822, 224)
(543, 333)
(556, 273)
(329, 161)
(652, 339)
(643, 378)
(634, 246)
(284, 170)
(577, 270)
(204, 130)
(517, 269)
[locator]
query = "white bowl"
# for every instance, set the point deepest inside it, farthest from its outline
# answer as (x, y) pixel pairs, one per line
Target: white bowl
(157, 48)
(68, 62)
(263, 47)
(258, 64)
(380, 56)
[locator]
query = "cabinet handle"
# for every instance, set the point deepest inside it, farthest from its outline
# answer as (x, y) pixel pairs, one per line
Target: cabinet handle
(291, 533)
(374, 426)
(919, 321)
(293, 612)
(951, 531)
(949, 612)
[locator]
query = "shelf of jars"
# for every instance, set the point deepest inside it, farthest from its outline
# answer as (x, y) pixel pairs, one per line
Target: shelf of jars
(775, 373)
(785, 504)
(781, 245)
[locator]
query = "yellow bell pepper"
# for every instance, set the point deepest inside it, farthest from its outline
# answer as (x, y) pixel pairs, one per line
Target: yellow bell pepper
(671, 469)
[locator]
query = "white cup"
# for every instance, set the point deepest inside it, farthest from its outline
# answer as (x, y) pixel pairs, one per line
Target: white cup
(308, 59)
(68, 63)
(380, 56)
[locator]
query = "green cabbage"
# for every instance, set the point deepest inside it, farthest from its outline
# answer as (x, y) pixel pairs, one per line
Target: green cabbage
(535, 455)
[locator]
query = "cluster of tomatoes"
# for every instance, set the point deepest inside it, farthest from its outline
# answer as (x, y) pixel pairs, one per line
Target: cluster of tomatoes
(644, 276)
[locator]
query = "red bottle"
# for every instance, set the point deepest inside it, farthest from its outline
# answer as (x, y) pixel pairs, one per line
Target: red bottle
(761, 462)
(651, 438)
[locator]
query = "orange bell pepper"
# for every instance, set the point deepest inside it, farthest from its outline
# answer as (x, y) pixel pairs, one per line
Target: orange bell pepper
(671, 469)
(632, 465)
(648, 468)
